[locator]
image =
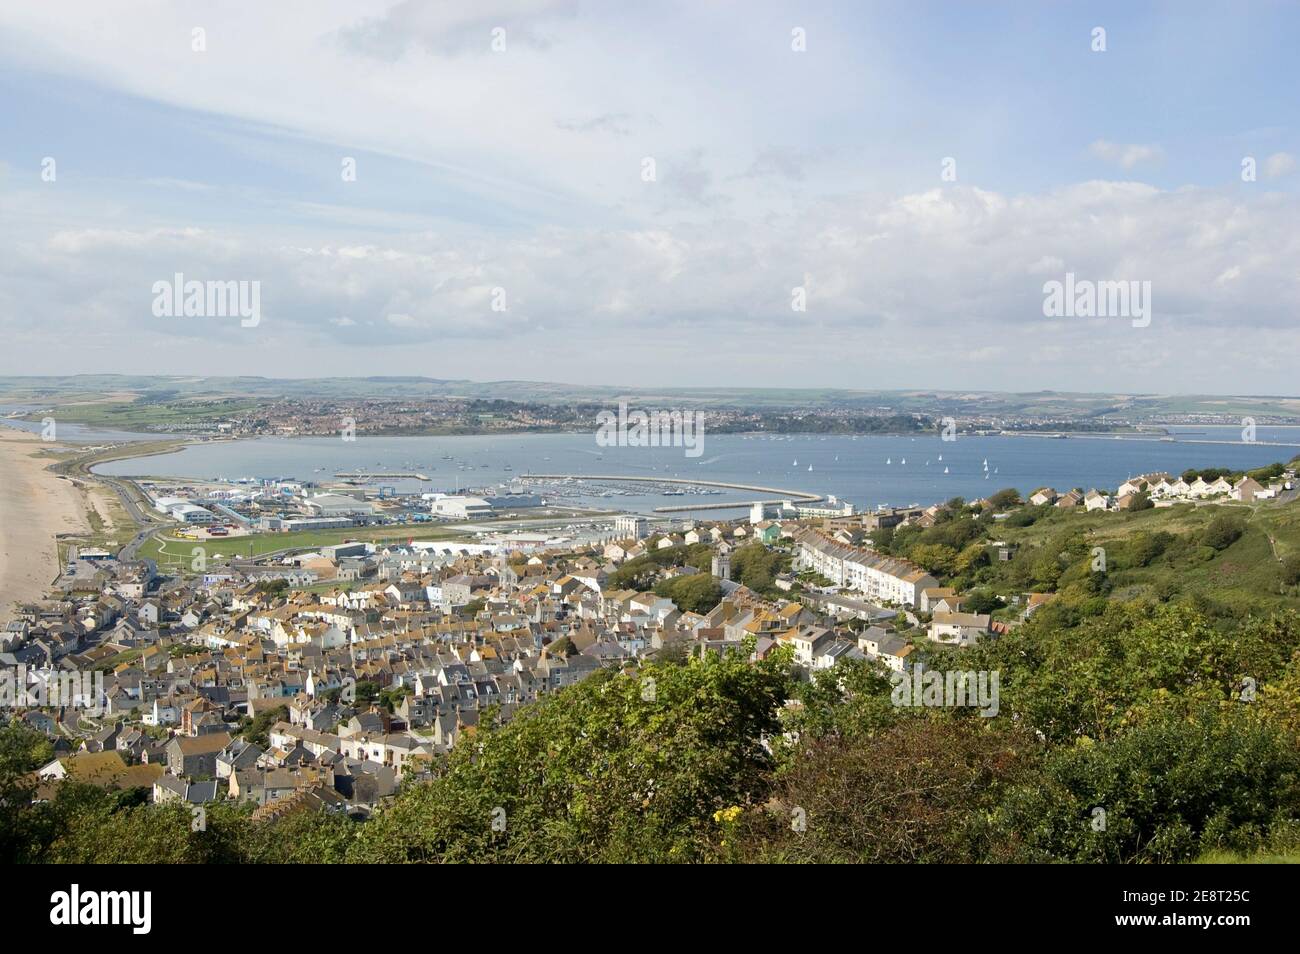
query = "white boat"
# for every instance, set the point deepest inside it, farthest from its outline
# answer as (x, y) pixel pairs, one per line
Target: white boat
(903, 461)
(941, 457)
(945, 470)
(810, 466)
(889, 460)
(796, 462)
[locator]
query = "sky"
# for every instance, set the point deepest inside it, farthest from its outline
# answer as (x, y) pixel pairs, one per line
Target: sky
(861, 195)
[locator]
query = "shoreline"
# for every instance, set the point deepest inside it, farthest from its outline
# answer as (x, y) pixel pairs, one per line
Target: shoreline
(36, 505)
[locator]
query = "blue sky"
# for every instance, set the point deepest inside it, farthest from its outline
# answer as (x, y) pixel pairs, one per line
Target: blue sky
(521, 169)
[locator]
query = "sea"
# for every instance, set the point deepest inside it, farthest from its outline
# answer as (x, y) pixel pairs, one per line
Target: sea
(868, 471)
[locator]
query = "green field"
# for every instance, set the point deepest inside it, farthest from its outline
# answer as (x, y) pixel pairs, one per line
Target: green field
(138, 414)
(162, 399)
(164, 548)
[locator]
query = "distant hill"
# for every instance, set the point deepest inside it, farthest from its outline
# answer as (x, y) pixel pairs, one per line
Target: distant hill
(1040, 405)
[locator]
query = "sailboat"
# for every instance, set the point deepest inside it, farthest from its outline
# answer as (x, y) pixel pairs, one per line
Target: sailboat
(941, 457)
(903, 461)
(986, 463)
(810, 466)
(945, 470)
(889, 460)
(796, 462)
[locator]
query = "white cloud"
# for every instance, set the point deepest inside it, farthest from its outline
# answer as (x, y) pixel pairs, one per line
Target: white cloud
(771, 173)
(899, 283)
(1279, 164)
(1125, 155)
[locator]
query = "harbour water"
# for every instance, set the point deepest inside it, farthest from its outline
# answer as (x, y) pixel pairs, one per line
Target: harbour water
(866, 470)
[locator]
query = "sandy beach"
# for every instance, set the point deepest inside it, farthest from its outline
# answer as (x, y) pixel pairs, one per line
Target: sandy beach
(34, 506)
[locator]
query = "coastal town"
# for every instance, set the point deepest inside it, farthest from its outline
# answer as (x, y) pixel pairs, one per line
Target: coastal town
(323, 677)
(551, 433)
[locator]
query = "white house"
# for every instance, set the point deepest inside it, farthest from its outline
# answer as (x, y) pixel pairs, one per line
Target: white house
(1094, 500)
(958, 629)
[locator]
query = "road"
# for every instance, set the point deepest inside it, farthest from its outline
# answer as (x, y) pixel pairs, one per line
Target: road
(141, 514)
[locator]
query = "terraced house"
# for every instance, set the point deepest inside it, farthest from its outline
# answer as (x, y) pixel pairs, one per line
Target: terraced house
(883, 579)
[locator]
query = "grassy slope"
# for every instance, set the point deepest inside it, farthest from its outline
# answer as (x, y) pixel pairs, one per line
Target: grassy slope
(1246, 575)
(127, 415)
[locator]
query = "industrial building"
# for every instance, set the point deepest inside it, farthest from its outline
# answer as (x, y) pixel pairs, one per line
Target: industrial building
(338, 505)
(457, 506)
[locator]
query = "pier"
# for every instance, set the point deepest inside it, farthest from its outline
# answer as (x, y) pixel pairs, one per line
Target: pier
(729, 505)
(684, 508)
(1147, 437)
(380, 475)
(785, 494)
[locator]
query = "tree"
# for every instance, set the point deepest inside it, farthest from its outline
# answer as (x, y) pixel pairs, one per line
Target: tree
(1143, 547)
(972, 557)
(934, 557)
(1171, 788)
(697, 593)
(1141, 501)
(1223, 531)
(882, 539)
(1024, 517)
(1291, 569)
(620, 767)
(983, 601)
(890, 796)
(1005, 499)
(22, 751)
(757, 567)
(258, 730)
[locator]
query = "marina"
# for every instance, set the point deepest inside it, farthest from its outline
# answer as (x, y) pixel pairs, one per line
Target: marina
(868, 470)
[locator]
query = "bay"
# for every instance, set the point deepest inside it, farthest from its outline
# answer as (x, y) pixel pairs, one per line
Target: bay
(869, 471)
